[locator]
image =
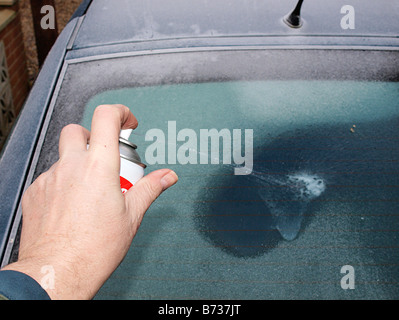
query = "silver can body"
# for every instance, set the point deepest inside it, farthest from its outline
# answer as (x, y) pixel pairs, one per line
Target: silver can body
(132, 169)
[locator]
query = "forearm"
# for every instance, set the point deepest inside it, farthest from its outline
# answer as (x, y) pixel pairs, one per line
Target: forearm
(19, 286)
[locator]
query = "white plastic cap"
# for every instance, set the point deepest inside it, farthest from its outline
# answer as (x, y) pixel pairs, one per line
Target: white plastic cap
(125, 134)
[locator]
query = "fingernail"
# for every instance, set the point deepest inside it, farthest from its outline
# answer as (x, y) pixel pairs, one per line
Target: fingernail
(169, 180)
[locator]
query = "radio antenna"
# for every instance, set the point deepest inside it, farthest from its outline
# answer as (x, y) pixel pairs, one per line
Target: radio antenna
(294, 19)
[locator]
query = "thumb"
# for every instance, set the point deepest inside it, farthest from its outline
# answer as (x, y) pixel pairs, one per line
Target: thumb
(143, 194)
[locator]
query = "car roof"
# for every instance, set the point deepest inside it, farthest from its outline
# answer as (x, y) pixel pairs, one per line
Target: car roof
(122, 21)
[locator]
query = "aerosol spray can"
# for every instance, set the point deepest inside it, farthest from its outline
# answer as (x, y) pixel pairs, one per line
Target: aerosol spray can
(132, 169)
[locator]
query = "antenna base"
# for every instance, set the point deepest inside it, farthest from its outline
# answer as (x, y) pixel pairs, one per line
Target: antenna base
(293, 21)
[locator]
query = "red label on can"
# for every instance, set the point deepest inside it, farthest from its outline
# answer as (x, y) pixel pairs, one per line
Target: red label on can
(125, 185)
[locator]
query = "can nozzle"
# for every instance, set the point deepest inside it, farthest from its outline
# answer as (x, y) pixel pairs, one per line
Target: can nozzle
(125, 134)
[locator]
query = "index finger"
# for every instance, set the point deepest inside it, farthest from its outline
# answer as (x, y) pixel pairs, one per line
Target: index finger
(107, 122)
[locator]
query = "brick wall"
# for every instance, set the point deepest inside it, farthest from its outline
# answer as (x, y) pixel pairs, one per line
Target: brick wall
(12, 39)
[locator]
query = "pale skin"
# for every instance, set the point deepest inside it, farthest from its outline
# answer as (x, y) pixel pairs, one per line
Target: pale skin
(75, 217)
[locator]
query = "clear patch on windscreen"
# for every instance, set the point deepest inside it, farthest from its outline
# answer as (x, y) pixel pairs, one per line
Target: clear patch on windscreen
(318, 190)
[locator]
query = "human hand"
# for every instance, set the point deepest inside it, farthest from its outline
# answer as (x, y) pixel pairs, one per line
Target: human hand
(75, 218)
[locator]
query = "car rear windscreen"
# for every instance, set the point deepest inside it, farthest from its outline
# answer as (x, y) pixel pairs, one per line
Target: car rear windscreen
(288, 164)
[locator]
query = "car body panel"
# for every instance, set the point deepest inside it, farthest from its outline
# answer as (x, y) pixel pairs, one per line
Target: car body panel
(18, 151)
(154, 20)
